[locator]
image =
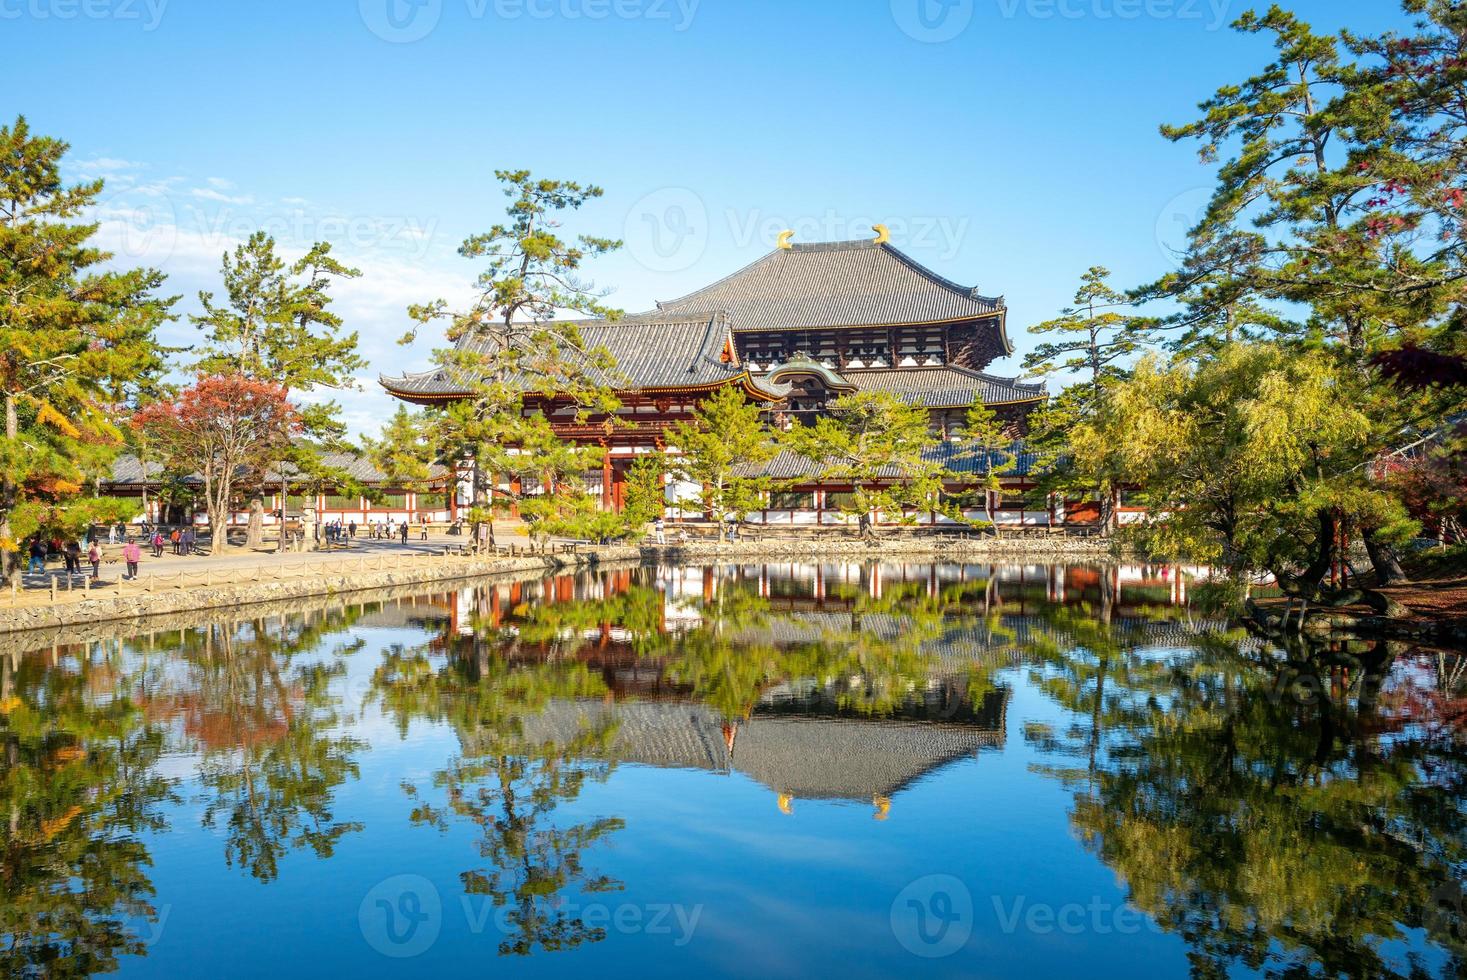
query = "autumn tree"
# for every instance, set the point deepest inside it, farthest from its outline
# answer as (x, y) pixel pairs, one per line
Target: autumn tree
(512, 358)
(76, 344)
(223, 426)
(721, 448)
(879, 444)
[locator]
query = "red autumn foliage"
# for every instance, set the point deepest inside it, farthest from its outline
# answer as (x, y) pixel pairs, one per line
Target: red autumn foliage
(225, 428)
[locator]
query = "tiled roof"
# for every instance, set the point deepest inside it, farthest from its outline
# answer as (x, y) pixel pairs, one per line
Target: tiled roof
(655, 351)
(128, 470)
(836, 284)
(955, 457)
(945, 387)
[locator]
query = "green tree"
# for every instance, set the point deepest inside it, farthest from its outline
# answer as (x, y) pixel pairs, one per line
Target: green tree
(505, 785)
(275, 324)
(1342, 196)
(990, 441)
(511, 357)
(76, 344)
(719, 448)
(1250, 458)
(80, 795)
(880, 444)
(1096, 340)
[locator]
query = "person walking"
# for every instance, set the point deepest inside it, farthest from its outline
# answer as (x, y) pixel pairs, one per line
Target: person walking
(423, 535)
(661, 527)
(73, 558)
(404, 530)
(157, 544)
(188, 541)
(38, 556)
(352, 530)
(174, 538)
(95, 557)
(132, 554)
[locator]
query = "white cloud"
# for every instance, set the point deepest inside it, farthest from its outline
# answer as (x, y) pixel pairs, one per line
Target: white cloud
(104, 166)
(219, 183)
(210, 194)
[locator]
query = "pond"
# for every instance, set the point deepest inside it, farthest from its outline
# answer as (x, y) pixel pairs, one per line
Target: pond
(783, 770)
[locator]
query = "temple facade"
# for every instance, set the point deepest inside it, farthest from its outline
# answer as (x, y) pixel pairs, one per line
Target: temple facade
(795, 330)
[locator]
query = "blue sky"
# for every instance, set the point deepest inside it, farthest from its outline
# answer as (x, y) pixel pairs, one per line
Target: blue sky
(1009, 144)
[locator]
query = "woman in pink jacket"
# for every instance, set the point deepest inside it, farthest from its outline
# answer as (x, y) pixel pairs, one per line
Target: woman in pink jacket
(132, 554)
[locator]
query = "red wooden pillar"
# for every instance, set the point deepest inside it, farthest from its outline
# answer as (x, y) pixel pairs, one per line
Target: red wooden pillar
(606, 477)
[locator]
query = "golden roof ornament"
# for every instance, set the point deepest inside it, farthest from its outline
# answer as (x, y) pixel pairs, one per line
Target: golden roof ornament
(883, 234)
(784, 240)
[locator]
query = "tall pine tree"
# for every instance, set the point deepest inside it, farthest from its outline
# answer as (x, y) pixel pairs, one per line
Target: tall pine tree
(77, 344)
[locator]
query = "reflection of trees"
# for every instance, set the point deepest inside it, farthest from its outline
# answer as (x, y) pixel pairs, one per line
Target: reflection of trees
(506, 784)
(1280, 815)
(742, 648)
(256, 698)
(77, 791)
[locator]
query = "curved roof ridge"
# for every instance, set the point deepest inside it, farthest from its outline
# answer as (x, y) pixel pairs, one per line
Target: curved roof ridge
(970, 291)
(661, 304)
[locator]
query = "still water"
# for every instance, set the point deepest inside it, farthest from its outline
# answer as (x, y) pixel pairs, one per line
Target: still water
(781, 770)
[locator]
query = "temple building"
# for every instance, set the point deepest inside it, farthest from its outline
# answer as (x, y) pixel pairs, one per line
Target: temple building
(795, 330)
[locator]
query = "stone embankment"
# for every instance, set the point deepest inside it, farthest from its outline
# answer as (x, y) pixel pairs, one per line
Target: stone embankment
(218, 592)
(138, 606)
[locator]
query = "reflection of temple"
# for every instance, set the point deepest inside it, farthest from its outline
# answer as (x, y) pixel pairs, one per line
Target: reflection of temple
(802, 739)
(796, 749)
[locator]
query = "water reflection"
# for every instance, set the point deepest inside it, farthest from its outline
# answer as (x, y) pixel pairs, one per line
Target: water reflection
(1280, 811)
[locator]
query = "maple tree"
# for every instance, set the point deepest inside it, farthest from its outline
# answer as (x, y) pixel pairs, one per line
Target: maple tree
(226, 427)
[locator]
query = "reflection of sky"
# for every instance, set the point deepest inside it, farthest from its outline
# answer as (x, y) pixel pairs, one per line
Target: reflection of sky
(809, 892)
(783, 895)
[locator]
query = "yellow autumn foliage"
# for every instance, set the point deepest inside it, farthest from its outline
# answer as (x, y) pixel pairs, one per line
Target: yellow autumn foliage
(47, 415)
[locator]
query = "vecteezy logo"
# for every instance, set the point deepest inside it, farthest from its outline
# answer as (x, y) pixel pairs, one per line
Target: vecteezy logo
(667, 230)
(1181, 214)
(933, 916)
(400, 917)
(135, 225)
(932, 21)
(400, 21)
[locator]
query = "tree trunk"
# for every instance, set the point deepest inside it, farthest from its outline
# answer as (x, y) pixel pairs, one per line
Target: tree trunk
(1388, 570)
(255, 536)
(480, 500)
(1313, 576)
(9, 560)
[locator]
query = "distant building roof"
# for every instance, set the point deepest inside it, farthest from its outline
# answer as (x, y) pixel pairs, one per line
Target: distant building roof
(128, 470)
(838, 284)
(651, 352)
(956, 457)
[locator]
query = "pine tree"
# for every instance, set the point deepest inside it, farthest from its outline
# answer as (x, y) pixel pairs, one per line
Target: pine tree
(515, 360)
(721, 448)
(879, 444)
(275, 325)
(77, 344)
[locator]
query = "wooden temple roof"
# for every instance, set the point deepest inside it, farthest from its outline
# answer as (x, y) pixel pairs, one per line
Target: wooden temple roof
(652, 352)
(840, 284)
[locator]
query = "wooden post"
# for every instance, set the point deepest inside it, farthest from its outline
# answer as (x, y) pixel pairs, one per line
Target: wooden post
(53, 589)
